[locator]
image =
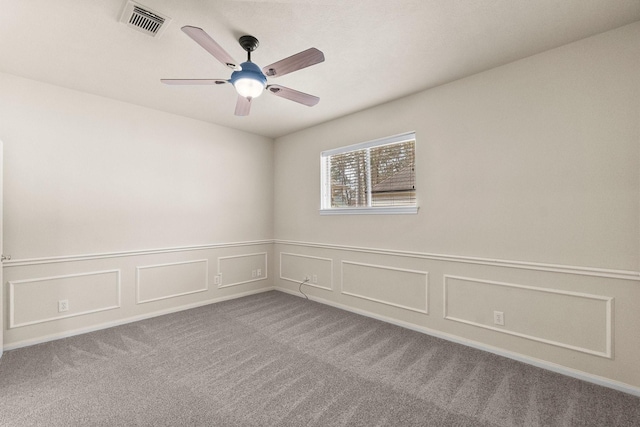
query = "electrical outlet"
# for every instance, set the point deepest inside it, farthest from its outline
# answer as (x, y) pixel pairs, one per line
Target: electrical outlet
(63, 305)
(253, 273)
(259, 272)
(216, 279)
(314, 279)
(498, 318)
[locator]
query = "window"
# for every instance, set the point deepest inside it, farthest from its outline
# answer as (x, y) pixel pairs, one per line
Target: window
(371, 177)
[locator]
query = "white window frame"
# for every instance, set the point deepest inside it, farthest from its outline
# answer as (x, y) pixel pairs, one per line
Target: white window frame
(325, 182)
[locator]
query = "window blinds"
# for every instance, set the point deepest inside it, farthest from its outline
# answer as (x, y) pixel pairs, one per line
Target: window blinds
(378, 175)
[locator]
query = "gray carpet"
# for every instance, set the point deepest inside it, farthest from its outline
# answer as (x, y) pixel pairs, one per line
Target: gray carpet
(273, 359)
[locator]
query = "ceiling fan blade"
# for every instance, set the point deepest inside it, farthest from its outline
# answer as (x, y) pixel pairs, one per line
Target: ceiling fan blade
(210, 45)
(243, 106)
(301, 60)
(293, 95)
(193, 81)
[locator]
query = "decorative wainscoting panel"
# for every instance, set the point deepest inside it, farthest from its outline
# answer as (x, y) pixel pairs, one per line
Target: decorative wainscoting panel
(162, 281)
(296, 267)
(407, 289)
(577, 321)
(141, 283)
(239, 269)
(33, 301)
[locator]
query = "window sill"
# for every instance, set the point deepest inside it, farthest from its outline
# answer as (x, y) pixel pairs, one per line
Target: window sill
(387, 210)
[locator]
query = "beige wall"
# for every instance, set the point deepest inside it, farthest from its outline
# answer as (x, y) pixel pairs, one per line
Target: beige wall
(107, 203)
(528, 185)
(536, 160)
(86, 174)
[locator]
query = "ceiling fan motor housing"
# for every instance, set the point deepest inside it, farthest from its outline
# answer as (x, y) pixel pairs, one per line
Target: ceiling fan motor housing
(250, 71)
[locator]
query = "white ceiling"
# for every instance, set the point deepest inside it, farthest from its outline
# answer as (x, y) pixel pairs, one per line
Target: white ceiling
(376, 50)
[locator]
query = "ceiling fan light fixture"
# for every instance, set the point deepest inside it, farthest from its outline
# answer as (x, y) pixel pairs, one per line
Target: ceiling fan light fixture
(249, 82)
(249, 87)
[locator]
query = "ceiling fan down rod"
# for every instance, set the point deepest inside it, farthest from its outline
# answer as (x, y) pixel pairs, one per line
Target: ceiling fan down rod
(248, 43)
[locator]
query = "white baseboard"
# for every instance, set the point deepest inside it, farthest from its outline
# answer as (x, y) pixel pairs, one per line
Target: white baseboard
(574, 373)
(71, 333)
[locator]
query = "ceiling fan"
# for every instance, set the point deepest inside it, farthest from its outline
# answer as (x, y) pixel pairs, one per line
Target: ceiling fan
(247, 78)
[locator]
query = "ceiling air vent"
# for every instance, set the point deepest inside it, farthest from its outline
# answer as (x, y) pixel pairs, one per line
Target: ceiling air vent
(143, 19)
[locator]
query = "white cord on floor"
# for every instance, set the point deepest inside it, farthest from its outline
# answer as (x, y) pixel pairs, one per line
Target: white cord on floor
(300, 288)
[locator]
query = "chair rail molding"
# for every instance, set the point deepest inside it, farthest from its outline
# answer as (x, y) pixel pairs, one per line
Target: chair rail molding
(524, 265)
(119, 254)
